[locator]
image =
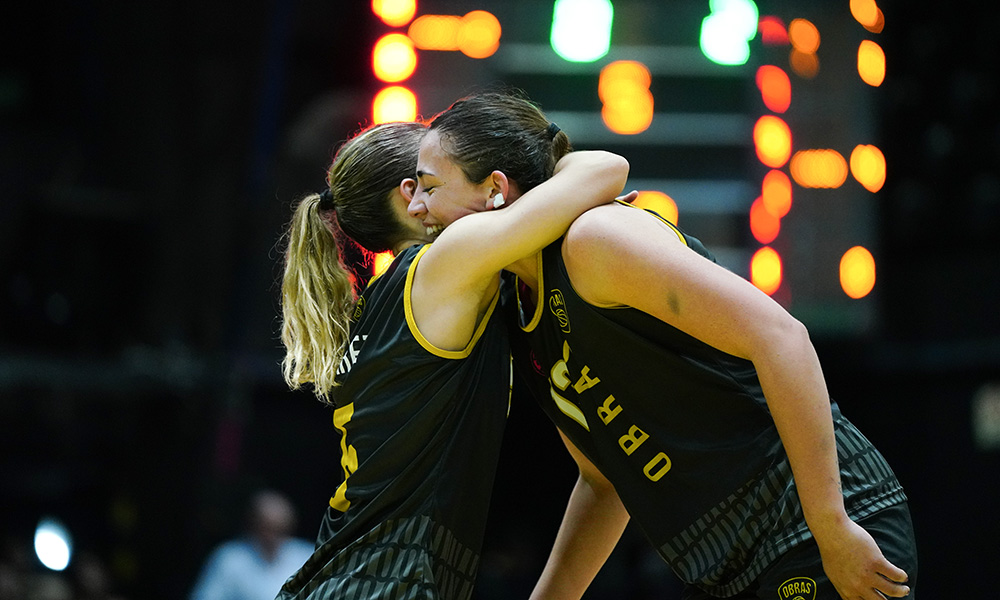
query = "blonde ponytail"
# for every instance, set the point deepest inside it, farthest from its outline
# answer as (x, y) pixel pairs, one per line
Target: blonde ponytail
(317, 292)
(317, 297)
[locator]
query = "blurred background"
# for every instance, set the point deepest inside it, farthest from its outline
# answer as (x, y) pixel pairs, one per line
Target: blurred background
(843, 155)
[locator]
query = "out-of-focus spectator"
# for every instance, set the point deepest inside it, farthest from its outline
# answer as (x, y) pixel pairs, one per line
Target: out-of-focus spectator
(255, 566)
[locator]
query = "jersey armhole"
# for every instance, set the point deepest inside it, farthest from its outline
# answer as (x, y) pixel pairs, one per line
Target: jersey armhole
(411, 322)
(536, 316)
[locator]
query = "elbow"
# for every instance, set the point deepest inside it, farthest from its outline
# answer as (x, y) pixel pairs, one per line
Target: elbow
(614, 169)
(791, 337)
(620, 172)
(777, 340)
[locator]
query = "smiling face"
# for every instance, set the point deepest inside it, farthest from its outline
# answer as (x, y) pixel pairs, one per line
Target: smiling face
(443, 193)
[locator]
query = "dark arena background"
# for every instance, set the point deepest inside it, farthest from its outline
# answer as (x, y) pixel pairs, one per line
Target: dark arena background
(151, 152)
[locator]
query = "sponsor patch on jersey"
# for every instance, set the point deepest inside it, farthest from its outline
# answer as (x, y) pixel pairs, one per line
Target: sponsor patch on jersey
(557, 305)
(359, 309)
(797, 588)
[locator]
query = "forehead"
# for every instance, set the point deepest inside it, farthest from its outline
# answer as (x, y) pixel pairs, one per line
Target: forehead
(433, 160)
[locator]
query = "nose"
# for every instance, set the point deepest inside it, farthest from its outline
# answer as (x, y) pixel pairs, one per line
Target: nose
(416, 207)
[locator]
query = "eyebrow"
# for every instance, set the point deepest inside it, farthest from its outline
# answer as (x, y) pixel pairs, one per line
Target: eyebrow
(424, 174)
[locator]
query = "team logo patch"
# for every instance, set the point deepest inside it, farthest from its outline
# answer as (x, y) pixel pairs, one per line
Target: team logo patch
(359, 308)
(557, 305)
(797, 588)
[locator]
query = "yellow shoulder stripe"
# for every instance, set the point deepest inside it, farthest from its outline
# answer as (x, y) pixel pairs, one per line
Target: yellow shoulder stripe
(412, 323)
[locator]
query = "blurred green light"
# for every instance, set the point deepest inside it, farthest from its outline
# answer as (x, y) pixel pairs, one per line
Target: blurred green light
(726, 31)
(581, 29)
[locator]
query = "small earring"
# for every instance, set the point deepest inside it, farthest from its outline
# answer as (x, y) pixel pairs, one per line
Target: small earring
(498, 201)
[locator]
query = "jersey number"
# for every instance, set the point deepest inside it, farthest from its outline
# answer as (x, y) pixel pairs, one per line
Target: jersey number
(349, 456)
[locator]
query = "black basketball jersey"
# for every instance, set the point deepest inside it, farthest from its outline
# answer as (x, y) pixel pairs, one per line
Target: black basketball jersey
(680, 428)
(420, 431)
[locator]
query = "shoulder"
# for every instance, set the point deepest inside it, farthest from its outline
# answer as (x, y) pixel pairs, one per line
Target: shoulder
(596, 244)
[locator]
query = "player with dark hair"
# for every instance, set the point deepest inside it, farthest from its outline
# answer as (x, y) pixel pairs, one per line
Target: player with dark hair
(417, 369)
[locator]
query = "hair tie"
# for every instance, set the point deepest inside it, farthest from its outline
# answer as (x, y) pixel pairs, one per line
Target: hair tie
(553, 129)
(326, 200)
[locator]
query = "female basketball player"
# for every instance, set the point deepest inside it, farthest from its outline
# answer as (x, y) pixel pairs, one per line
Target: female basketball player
(417, 369)
(692, 402)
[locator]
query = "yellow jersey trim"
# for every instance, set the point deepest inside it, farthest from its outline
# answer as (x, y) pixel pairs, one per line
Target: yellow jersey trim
(537, 316)
(412, 322)
(672, 227)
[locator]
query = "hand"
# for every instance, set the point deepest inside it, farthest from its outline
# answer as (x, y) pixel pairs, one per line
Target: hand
(857, 568)
(629, 197)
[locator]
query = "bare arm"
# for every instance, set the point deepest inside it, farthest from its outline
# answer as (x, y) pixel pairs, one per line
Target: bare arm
(459, 274)
(592, 525)
(621, 256)
(582, 180)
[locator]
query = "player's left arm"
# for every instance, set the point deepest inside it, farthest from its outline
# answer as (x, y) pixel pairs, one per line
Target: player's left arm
(592, 524)
(618, 255)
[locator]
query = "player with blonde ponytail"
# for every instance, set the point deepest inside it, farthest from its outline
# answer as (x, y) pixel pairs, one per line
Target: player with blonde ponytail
(417, 369)
(318, 291)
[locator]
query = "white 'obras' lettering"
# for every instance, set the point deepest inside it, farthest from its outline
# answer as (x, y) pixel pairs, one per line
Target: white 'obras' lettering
(351, 355)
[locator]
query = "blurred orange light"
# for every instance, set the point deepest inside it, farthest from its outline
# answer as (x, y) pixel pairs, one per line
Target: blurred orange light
(773, 141)
(658, 202)
(868, 167)
(479, 35)
(435, 32)
(871, 63)
(772, 31)
(765, 270)
(630, 115)
(879, 23)
(804, 36)
(394, 103)
(857, 272)
(865, 12)
(763, 225)
(775, 88)
(381, 262)
(623, 87)
(804, 64)
(776, 193)
(822, 168)
(394, 58)
(621, 78)
(395, 13)
(868, 14)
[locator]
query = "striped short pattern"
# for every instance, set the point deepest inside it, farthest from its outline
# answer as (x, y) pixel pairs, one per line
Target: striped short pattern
(402, 559)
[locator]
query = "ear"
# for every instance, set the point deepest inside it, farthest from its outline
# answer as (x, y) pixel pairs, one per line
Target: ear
(499, 184)
(407, 187)
(499, 190)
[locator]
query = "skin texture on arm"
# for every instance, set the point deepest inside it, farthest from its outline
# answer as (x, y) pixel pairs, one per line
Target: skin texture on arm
(618, 256)
(591, 527)
(459, 274)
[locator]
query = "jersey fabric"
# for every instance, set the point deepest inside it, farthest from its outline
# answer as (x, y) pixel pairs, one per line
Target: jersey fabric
(421, 429)
(680, 428)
